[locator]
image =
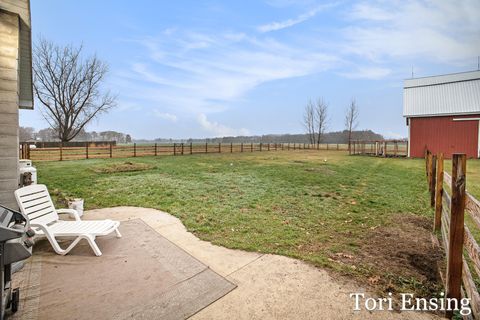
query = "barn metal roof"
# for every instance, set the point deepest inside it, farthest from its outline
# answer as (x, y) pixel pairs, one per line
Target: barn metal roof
(457, 93)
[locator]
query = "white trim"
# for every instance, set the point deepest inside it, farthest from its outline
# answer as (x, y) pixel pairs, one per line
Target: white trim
(408, 145)
(448, 114)
(466, 119)
(478, 148)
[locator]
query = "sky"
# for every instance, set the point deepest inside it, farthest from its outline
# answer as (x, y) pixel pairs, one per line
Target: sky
(194, 69)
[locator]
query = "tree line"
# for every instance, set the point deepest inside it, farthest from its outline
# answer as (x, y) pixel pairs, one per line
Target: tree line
(49, 134)
(340, 137)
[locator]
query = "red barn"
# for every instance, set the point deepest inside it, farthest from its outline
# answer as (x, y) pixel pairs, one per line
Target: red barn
(443, 114)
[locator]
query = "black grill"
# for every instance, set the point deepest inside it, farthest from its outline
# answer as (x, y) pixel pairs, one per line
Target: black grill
(16, 241)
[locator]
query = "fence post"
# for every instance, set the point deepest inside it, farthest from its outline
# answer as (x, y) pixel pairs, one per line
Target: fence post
(241, 147)
(206, 147)
(251, 147)
(294, 146)
(385, 148)
(86, 150)
(429, 170)
(61, 151)
(260, 146)
(426, 164)
(268, 147)
(219, 147)
(111, 149)
(135, 149)
(433, 174)
(155, 149)
(231, 147)
(191, 148)
(182, 149)
(439, 194)
(455, 243)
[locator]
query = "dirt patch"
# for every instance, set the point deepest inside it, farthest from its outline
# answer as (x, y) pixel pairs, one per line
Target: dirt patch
(126, 166)
(400, 257)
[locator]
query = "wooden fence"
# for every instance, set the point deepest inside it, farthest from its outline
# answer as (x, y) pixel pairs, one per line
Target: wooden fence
(380, 148)
(451, 200)
(176, 149)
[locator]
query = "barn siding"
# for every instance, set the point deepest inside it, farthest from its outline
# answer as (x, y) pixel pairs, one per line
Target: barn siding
(442, 134)
(9, 33)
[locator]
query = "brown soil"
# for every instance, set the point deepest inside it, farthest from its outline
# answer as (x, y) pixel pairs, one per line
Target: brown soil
(126, 166)
(400, 257)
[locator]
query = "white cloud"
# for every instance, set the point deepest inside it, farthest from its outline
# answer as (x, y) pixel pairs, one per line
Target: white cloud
(219, 130)
(393, 135)
(369, 12)
(206, 79)
(443, 31)
(274, 26)
(372, 73)
(165, 115)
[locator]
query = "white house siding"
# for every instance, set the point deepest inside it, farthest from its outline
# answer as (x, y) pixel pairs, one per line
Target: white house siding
(22, 8)
(9, 34)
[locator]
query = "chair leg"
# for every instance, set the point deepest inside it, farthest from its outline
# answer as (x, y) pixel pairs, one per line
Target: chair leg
(119, 235)
(93, 244)
(60, 251)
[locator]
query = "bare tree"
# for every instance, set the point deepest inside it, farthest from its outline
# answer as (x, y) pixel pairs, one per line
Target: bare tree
(26, 133)
(351, 120)
(47, 134)
(321, 118)
(69, 87)
(309, 117)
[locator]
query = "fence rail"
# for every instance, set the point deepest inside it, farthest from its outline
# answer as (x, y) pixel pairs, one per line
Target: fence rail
(176, 149)
(380, 148)
(451, 201)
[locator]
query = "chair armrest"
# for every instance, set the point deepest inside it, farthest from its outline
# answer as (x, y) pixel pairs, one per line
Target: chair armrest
(70, 211)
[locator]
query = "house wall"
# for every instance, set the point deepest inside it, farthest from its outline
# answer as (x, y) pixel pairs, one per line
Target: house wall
(443, 134)
(25, 91)
(9, 101)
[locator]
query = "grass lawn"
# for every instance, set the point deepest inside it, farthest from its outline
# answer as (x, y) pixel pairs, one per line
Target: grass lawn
(360, 216)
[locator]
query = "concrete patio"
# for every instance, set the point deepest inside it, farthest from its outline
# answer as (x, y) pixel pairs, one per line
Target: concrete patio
(269, 286)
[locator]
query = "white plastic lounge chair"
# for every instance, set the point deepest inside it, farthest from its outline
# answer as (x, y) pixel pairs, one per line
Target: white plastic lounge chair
(35, 202)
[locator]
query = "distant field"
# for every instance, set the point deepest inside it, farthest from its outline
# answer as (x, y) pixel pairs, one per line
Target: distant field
(361, 216)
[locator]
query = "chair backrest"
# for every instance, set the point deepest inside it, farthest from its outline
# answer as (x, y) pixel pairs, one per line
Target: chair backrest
(35, 202)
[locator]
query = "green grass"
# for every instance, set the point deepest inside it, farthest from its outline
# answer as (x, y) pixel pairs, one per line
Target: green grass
(473, 175)
(291, 203)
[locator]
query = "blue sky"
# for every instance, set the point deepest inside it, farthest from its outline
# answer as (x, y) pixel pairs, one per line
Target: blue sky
(212, 68)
